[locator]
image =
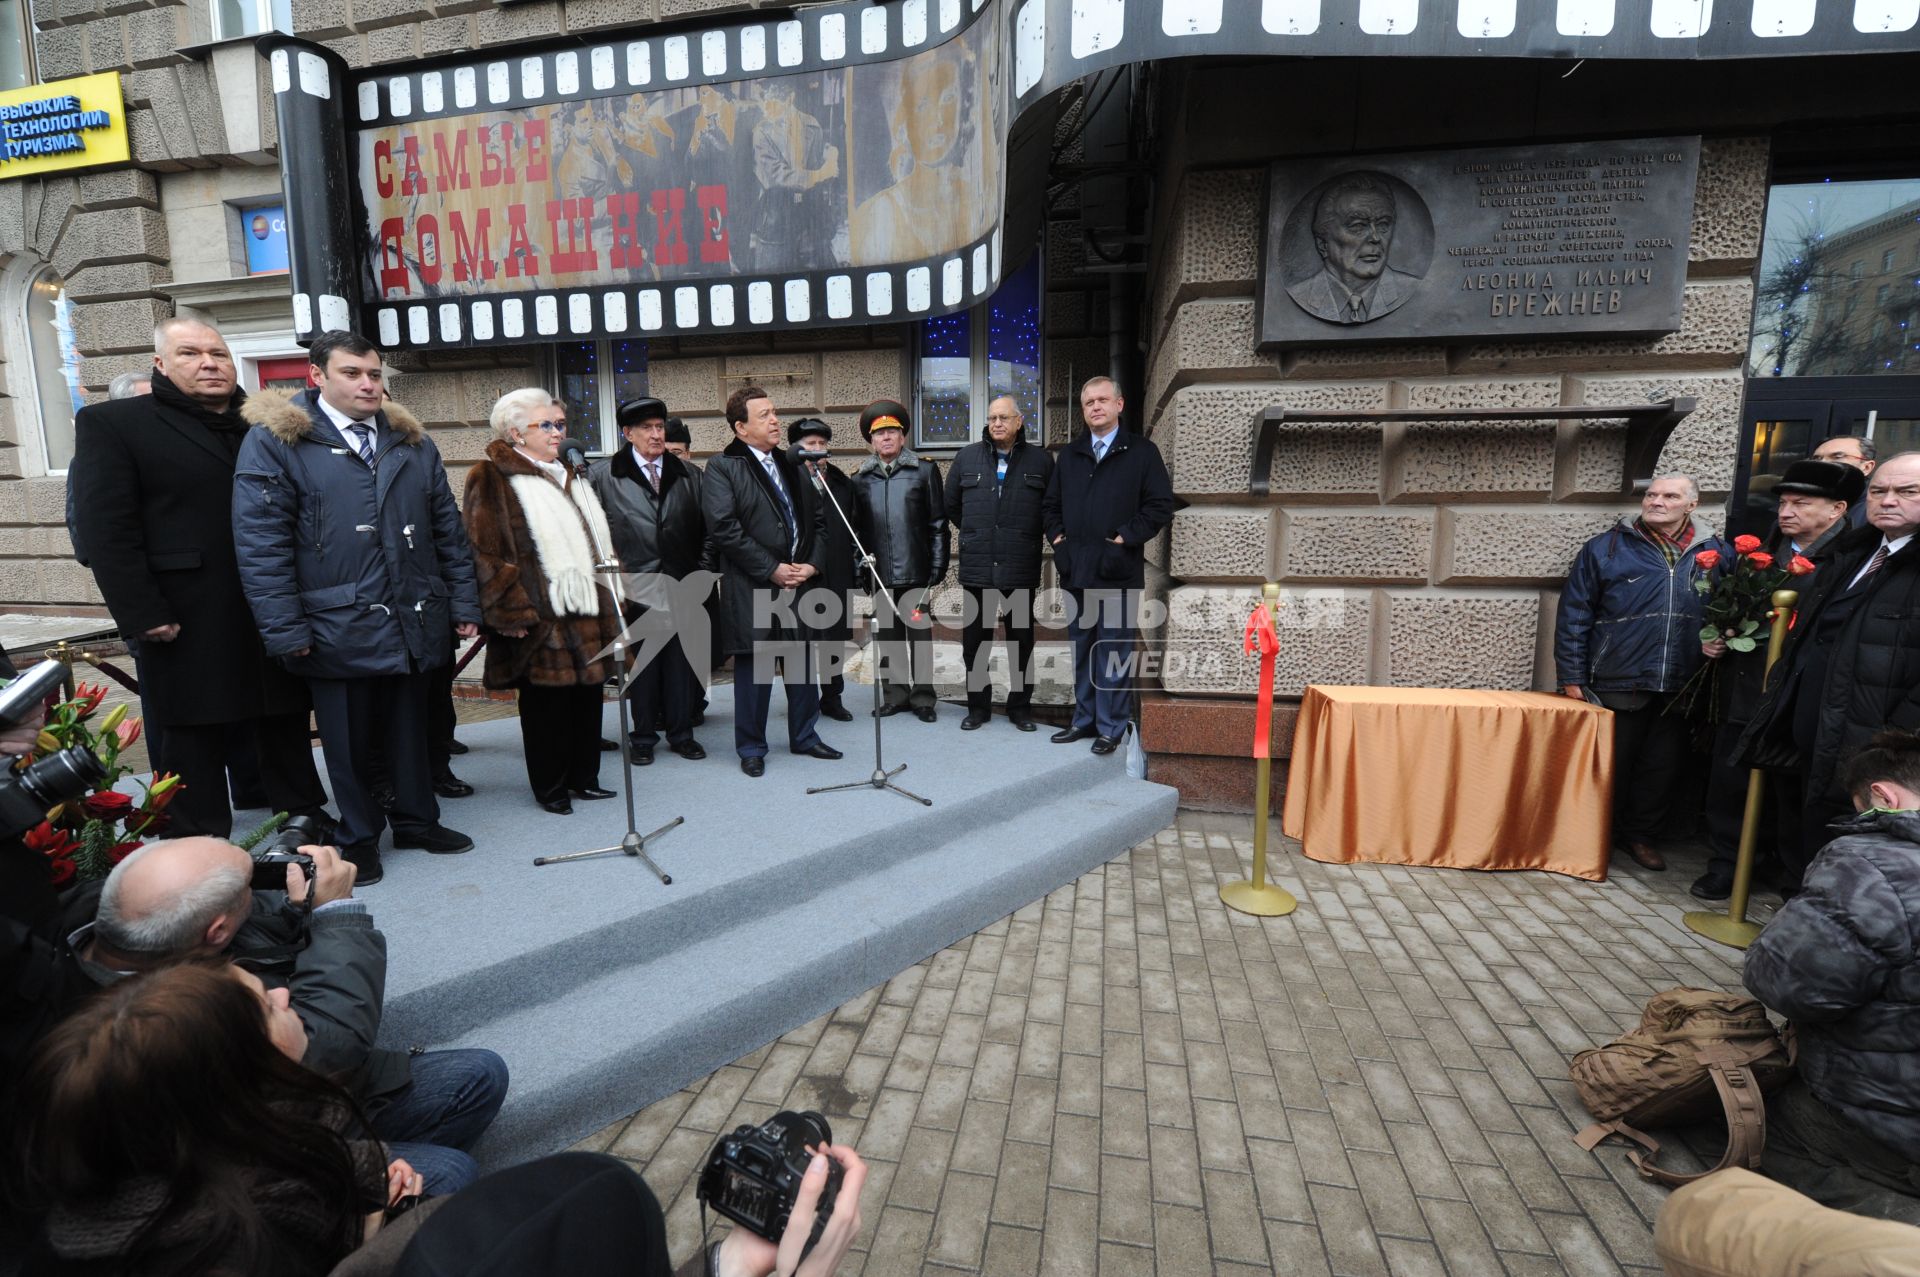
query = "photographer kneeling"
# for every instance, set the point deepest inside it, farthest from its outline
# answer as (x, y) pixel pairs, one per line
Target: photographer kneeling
(191, 897)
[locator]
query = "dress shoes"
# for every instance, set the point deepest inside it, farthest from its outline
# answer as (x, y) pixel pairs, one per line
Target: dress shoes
(1645, 856)
(927, 714)
(973, 722)
(592, 792)
(1712, 886)
(382, 796)
(888, 711)
(607, 746)
(822, 750)
(1106, 744)
(754, 766)
(689, 749)
(1068, 735)
(837, 712)
(643, 755)
(558, 806)
(451, 786)
(455, 747)
(366, 858)
(437, 839)
(1022, 722)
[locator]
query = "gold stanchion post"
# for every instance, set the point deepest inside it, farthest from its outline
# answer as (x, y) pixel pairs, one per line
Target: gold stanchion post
(1258, 896)
(1732, 928)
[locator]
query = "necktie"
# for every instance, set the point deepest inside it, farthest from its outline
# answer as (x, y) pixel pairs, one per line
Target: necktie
(363, 440)
(653, 477)
(786, 506)
(1873, 564)
(1099, 451)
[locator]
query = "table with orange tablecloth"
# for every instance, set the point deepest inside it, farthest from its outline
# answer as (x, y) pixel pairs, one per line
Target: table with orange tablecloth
(1460, 779)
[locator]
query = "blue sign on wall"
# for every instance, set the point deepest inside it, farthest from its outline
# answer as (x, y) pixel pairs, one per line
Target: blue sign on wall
(265, 230)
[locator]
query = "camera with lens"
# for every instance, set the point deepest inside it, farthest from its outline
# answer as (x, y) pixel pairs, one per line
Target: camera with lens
(753, 1175)
(271, 858)
(29, 793)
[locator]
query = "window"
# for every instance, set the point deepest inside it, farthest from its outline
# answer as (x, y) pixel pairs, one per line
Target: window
(1805, 323)
(233, 18)
(16, 45)
(593, 378)
(968, 359)
(56, 366)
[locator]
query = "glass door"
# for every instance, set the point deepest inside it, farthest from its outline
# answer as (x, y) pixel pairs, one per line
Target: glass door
(1891, 424)
(1779, 434)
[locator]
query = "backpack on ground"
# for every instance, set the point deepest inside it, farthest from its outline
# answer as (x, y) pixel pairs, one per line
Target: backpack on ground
(1692, 1046)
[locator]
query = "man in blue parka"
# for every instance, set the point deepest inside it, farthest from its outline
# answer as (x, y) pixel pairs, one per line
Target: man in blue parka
(359, 573)
(1628, 637)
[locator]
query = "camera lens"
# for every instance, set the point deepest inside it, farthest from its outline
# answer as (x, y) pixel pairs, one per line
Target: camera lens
(62, 776)
(811, 1128)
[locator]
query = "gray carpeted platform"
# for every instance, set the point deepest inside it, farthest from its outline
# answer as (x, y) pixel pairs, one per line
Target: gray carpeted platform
(606, 990)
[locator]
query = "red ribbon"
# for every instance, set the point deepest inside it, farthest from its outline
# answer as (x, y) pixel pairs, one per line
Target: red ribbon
(1260, 636)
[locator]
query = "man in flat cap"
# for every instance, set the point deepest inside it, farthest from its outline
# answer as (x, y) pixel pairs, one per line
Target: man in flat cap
(652, 500)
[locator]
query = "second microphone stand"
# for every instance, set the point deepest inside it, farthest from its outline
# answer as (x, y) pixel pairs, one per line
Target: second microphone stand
(882, 778)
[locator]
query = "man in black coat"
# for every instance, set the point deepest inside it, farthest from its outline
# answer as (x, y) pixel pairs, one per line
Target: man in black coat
(903, 520)
(826, 605)
(1110, 495)
(766, 535)
(652, 500)
(153, 506)
(359, 573)
(1852, 664)
(995, 489)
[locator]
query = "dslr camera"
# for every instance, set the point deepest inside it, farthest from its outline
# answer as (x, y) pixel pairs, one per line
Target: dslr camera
(28, 794)
(753, 1175)
(273, 855)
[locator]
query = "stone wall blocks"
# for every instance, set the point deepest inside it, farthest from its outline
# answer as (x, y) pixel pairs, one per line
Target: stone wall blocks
(1478, 640)
(1434, 461)
(64, 581)
(46, 499)
(792, 378)
(150, 145)
(371, 14)
(110, 235)
(117, 187)
(1496, 547)
(61, 52)
(852, 379)
(599, 15)
(446, 35)
(1324, 638)
(388, 45)
(683, 8)
(322, 19)
(1223, 542)
(1483, 392)
(512, 23)
(1070, 362)
(481, 388)
(1355, 545)
(351, 48)
(1210, 439)
(100, 370)
(1331, 362)
(105, 327)
(113, 281)
(1706, 444)
(710, 434)
(1730, 202)
(156, 36)
(688, 386)
(434, 397)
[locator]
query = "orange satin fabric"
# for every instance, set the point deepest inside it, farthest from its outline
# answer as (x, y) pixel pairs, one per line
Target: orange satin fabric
(1460, 779)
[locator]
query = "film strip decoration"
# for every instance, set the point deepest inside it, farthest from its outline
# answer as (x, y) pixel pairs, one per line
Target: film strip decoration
(1047, 44)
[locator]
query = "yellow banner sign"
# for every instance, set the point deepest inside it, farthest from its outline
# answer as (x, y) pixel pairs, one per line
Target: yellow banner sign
(63, 124)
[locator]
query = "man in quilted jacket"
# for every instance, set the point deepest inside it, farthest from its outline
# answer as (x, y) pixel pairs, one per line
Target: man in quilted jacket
(1842, 962)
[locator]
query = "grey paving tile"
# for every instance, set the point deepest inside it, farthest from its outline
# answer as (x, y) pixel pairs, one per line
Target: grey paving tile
(1353, 1249)
(1126, 1201)
(1232, 1217)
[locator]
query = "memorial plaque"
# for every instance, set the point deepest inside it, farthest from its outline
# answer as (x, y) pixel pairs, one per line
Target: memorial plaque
(1510, 242)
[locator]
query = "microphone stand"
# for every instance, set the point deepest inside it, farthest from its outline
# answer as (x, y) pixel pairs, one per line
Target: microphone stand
(634, 843)
(881, 778)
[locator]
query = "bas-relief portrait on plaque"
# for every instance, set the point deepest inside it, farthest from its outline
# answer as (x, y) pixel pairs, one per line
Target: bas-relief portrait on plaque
(1521, 242)
(869, 164)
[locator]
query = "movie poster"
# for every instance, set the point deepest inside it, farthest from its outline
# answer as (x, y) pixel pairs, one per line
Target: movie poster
(878, 163)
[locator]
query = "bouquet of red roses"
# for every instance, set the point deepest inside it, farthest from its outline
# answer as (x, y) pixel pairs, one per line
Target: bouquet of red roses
(85, 838)
(1739, 601)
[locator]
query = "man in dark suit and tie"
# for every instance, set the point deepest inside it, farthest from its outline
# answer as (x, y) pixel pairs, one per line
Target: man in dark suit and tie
(152, 505)
(765, 528)
(1852, 664)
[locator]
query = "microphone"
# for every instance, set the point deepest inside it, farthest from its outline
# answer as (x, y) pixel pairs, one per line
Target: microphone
(801, 454)
(573, 454)
(802, 459)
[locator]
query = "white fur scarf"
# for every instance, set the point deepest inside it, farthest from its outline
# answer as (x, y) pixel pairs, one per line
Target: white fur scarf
(560, 528)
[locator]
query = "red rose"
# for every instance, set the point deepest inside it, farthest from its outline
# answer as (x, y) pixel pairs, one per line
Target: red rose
(1760, 561)
(1708, 559)
(121, 850)
(1746, 544)
(1801, 565)
(106, 805)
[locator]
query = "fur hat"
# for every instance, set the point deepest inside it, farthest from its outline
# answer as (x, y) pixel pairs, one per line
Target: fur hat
(635, 411)
(884, 414)
(797, 430)
(1833, 480)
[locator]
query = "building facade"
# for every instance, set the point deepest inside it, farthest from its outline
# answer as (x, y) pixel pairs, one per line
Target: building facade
(1131, 165)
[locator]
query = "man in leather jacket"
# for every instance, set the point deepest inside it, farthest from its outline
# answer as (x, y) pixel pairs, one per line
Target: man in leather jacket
(903, 520)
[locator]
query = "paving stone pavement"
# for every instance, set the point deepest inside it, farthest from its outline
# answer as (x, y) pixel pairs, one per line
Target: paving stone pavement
(1126, 1078)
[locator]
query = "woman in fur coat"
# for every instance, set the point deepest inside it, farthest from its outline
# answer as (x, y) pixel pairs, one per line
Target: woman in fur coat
(538, 537)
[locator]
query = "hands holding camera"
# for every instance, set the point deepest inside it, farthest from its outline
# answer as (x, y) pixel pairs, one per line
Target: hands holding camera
(747, 1254)
(333, 877)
